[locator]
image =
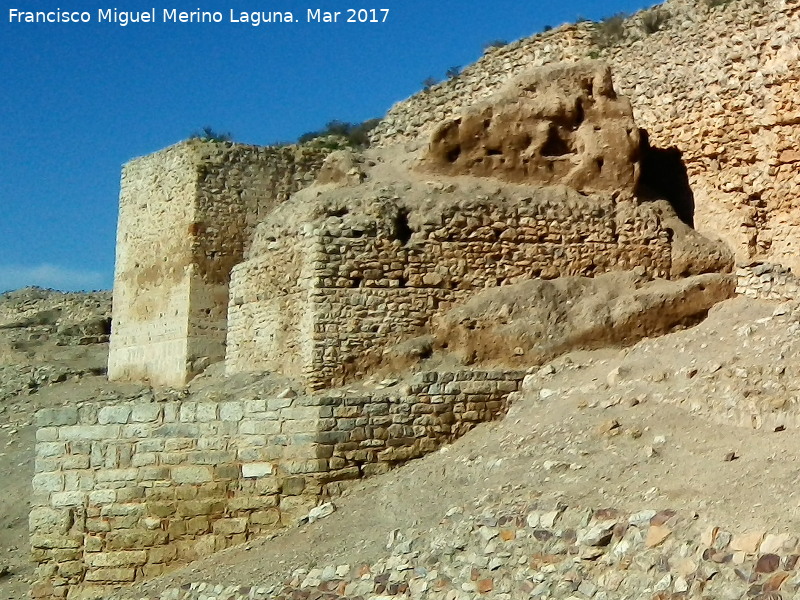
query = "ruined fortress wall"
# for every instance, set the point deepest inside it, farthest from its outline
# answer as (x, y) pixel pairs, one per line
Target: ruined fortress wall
(369, 292)
(187, 214)
(151, 282)
(270, 324)
(717, 83)
(123, 492)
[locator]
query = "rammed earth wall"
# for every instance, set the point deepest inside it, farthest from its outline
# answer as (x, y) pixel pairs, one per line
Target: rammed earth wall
(720, 84)
(123, 492)
(186, 217)
(319, 306)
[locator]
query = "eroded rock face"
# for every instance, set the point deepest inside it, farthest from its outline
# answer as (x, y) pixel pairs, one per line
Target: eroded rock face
(534, 321)
(559, 124)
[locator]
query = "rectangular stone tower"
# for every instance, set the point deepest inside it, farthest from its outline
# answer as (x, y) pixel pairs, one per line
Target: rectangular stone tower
(185, 219)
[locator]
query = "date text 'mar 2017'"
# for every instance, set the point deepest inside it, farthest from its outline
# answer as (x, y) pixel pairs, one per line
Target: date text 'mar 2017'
(352, 15)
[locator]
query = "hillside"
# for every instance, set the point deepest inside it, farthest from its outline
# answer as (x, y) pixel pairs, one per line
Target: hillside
(513, 506)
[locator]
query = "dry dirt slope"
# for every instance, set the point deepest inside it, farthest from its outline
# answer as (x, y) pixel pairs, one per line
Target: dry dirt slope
(606, 480)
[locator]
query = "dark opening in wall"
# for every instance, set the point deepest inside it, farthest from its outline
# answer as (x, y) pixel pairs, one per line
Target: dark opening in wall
(453, 154)
(402, 230)
(555, 144)
(664, 176)
(580, 114)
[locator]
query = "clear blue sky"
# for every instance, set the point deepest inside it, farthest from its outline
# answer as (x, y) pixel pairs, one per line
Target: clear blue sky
(79, 100)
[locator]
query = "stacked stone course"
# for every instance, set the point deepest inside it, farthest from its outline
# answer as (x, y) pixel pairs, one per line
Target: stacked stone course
(717, 83)
(325, 301)
(123, 492)
(768, 281)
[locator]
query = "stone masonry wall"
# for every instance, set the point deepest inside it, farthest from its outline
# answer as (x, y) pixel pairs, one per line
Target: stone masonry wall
(767, 282)
(186, 217)
(123, 492)
(717, 83)
(366, 292)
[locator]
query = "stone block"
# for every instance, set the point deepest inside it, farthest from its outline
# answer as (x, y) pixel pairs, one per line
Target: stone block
(192, 474)
(259, 427)
(90, 432)
(231, 411)
(49, 521)
(197, 526)
(164, 554)
(49, 542)
(145, 413)
(153, 474)
(228, 527)
(261, 469)
(48, 482)
(117, 475)
(252, 503)
(47, 434)
(75, 462)
(70, 568)
(57, 417)
(114, 415)
(68, 499)
(111, 575)
(123, 558)
(207, 412)
(135, 540)
(255, 406)
(100, 497)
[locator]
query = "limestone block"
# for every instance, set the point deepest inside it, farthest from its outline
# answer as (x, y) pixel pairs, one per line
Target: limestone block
(229, 527)
(191, 474)
(116, 559)
(231, 411)
(111, 575)
(145, 413)
(57, 417)
(113, 414)
(49, 521)
(257, 470)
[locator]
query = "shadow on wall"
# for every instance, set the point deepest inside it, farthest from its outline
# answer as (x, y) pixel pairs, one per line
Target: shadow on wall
(664, 176)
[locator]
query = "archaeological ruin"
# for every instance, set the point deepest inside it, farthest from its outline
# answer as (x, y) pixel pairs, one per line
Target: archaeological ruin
(313, 265)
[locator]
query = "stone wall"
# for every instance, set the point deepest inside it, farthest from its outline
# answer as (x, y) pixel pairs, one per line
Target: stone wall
(326, 310)
(717, 83)
(122, 492)
(186, 217)
(767, 281)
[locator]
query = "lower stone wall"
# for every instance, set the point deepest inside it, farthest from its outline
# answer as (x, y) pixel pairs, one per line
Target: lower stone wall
(124, 492)
(767, 281)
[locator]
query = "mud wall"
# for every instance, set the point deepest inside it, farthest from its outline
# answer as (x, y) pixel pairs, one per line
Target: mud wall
(718, 83)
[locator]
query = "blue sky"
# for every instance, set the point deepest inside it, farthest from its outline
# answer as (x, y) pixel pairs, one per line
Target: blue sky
(80, 99)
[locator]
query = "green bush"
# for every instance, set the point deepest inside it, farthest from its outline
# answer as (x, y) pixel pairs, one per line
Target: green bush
(341, 134)
(715, 3)
(654, 20)
(429, 83)
(609, 31)
(207, 134)
(453, 72)
(494, 44)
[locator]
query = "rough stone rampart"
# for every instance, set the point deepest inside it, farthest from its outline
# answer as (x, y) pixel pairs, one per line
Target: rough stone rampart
(122, 492)
(187, 215)
(718, 83)
(324, 311)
